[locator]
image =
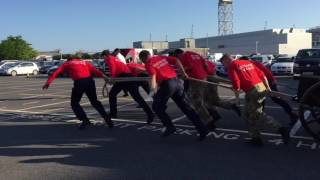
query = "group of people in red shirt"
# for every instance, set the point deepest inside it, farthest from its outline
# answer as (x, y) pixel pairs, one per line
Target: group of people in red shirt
(165, 84)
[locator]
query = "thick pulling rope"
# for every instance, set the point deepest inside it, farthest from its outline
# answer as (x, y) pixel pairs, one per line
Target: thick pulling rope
(142, 79)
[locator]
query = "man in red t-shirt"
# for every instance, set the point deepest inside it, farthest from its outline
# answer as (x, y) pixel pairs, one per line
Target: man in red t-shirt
(81, 73)
(201, 95)
(119, 69)
(139, 70)
(274, 87)
(247, 77)
(164, 76)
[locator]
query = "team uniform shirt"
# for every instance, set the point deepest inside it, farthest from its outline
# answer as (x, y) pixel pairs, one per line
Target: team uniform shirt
(121, 58)
(76, 69)
(194, 65)
(211, 68)
(244, 75)
(136, 68)
(116, 67)
(161, 67)
(266, 71)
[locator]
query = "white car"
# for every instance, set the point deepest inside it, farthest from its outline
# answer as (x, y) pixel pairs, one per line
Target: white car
(3, 65)
(20, 68)
(283, 65)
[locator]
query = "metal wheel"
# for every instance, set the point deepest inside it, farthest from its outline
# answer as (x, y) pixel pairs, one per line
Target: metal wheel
(310, 111)
(14, 73)
(105, 90)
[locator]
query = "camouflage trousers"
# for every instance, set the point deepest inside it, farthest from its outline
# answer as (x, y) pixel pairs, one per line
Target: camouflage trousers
(213, 100)
(253, 111)
(205, 99)
(197, 93)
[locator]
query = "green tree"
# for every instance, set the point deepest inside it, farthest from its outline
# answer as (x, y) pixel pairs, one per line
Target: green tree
(16, 48)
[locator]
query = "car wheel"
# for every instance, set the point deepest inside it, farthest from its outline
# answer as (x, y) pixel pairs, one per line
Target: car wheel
(13, 73)
(35, 72)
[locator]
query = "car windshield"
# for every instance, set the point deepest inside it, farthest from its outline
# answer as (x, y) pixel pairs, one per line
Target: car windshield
(10, 65)
(283, 60)
(259, 59)
(313, 53)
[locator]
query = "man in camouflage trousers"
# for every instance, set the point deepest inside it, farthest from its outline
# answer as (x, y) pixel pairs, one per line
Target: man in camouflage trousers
(247, 77)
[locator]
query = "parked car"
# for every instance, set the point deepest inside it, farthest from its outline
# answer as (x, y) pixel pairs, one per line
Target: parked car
(264, 59)
(52, 69)
(44, 66)
(20, 68)
(6, 63)
(307, 62)
(283, 65)
(221, 71)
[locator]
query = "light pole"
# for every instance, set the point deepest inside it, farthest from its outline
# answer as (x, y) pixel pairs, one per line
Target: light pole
(257, 45)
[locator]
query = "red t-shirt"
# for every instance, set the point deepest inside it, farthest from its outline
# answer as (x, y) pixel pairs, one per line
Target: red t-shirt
(76, 69)
(136, 68)
(244, 75)
(194, 65)
(116, 67)
(211, 68)
(266, 71)
(160, 66)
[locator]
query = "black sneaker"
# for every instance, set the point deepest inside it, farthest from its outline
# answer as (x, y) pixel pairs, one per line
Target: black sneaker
(109, 122)
(236, 109)
(211, 125)
(203, 135)
(84, 125)
(285, 135)
(150, 119)
(168, 132)
(255, 142)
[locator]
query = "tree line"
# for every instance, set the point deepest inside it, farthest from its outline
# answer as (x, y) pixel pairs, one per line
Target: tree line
(16, 48)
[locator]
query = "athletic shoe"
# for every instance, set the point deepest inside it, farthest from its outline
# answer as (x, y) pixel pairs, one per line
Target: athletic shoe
(257, 142)
(168, 132)
(109, 122)
(84, 125)
(203, 135)
(150, 119)
(285, 135)
(211, 125)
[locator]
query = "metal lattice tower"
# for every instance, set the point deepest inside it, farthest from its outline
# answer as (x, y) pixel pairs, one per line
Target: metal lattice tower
(225, 15)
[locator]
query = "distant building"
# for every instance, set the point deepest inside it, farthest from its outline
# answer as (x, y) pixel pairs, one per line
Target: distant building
(48, 55)
(151, 44)
(315, 36)
(273, 41)
(183, 43)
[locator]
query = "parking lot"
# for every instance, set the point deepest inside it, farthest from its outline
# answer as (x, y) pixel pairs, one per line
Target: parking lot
(39, 139)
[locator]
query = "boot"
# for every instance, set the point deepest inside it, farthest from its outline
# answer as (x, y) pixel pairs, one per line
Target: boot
(84, 124)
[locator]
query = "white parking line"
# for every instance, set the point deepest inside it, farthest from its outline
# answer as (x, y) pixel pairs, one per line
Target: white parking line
(219, 129)
(179, 118)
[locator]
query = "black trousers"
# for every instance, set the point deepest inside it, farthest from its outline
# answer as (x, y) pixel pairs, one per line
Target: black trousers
(173, 88)
(144, 84)
(286, 107)
(132, 88)
(88, 87)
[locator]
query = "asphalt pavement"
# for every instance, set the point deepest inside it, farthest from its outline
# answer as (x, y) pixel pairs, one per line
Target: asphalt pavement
(39, 140)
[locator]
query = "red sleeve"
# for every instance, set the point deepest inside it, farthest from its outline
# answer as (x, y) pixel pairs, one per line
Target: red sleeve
(266, 71)
(172, 60)
(233, 75)
(260, 73)
(151, 70)
(60, 70)
(211, 68)
(94, 70)
(112, 66)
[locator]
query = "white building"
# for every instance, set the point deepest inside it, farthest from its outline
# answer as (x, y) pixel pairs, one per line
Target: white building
(273, 41)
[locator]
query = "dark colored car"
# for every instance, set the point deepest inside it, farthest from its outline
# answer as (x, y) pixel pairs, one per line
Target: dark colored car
(44, 66)
(307, 62)
(52, 69)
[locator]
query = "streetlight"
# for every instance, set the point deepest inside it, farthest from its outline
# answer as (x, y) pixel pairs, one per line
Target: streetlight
(257, 45)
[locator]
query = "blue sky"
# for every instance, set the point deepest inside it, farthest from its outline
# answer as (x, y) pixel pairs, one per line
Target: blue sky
(93, 25)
